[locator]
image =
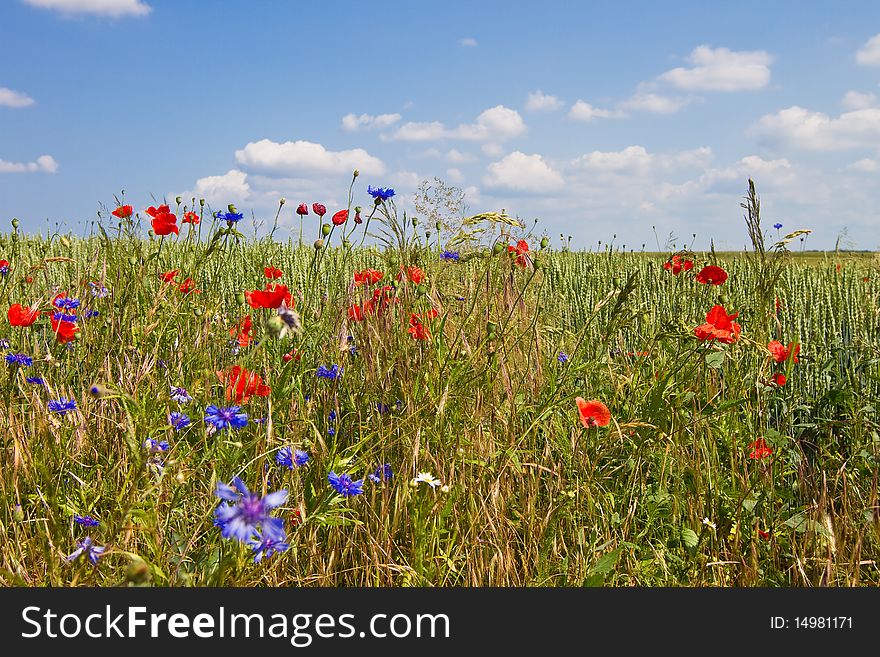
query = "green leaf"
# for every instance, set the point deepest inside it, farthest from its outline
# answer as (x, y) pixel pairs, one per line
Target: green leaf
(715, 359)
(689, 537)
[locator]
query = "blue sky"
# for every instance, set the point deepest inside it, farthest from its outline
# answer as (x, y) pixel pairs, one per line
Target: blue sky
(597, 118)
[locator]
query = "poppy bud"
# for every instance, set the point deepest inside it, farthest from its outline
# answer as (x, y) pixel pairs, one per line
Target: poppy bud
(346, 244)
(325, 230)
(282, 201)
(302, 209)
(275, 326)
(357, 216)
(18, 514)
(151, 234)
(438, 226)
(177, 200)
(421, 289)
(319, 244)
(538, 263)
(232, 208)
(356, 173)
(198, 312)
(14, 222)
(287, 357)
(545, 242)
(497, 249)
(132, 260)
(724, 299)
(202, 202)
(415, 221)
(239, 298)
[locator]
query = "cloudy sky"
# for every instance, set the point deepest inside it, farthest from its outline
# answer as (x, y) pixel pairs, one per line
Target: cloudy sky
(598, 119)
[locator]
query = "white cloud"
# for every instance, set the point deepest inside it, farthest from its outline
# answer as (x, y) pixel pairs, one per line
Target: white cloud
(491, 149)
(454, 175)
(800, 128)
(495, 123)
(865, 165)
(655, 103)
(538, 101)
(467, 42)
(10, 98)
(721, 69)
(405, 180)
(305, 157)
(353, 122)
(854, 100)
(637, 161)
(523, 173)
(43, 164)
(112, 8)
(232, 186)
(869, 54)
(583, 111)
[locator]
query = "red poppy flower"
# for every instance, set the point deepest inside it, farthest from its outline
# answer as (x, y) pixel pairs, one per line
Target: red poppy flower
(4, 266)
(593, 413)
(676, 265)
(291, 355)
(64, 331)
(165, 223)
(759, 450)
(710, 274)
(382, 298)
(339, 218)
(778, 305)
(764, 535)
(416, 329)
(271, 297)
(368, 276)
(413, 274)
(319, 209)
(188, 286)
(780, 352)
(779, 379)
(241, 332)
(719, 326)
(123, 212)
(357, 217)
(303, 209)
(241, 384)
(356, 313)
(168, 276)
(19, 315)
(155, 212)
(273, 272)
(521, 250)
(191, 218)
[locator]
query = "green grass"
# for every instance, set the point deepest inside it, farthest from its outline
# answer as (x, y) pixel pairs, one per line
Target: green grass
(533, 497)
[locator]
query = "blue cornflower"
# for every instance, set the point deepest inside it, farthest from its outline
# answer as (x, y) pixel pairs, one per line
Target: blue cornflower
(331, 431)
(231, 217)
(459, 298)
(22, 360)
(98, 291)
(382, 407)
(62, 405)
(179, 394)
(777, 226)
(4, 267)
(265, 544)
(90, 313)
(450, 255)
(64, 317)
(291, 458)
(66, 303)
(87, 547)
(383, 473)
(156, 446)
(4, 343)
(344, 485)
(179, 420)
(36, 380)
(332, 416)
(333, 372)
(223, 418)
(562, 357)
(85, 521)
(380, 194)
(242, 512)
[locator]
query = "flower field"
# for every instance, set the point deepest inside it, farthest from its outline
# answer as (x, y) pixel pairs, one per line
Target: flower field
(202, 407)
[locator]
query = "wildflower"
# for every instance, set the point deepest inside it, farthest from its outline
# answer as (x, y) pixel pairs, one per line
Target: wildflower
(415, 275)
(382, 473)
(187, 286)
(123, 212)
(593, 413)
(98, 290)
(190, 218)
(64, 317)
(719, 326)
(382, 408)
(418, 330)
(241, 332)
(18, 315)
(777, 226)
(223, 418)
(291, 355)
(676, 265)
(241, 384)
(367, 276)
(229, 217)
(87, 547)
(562, 357)
(291, 458)
(156, 446)
(331, 431)
(242, 512)
(85, 521)
(710, 274)
(178, 420)
(272, 297)
(155, 212)
(332, 373)
(450, 255)
(62, 405)
(521, 251)
(65, 331)
(272, 272)
(356, 313)
(319, 209)
(180, 395)
(302, 209)
(764, 535)
(168, 276)
(711, 525)
(62, 302)
(380, 194)
(357, 215)
(339, 218)
(36, 380)
(779, 379)
(760, 450)
(89, 314)
(4, 343)
(344, 485)
(4, 267)
(22, 360)
(426, 478)
(165, 223)
(267, 543)
(780, 352)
